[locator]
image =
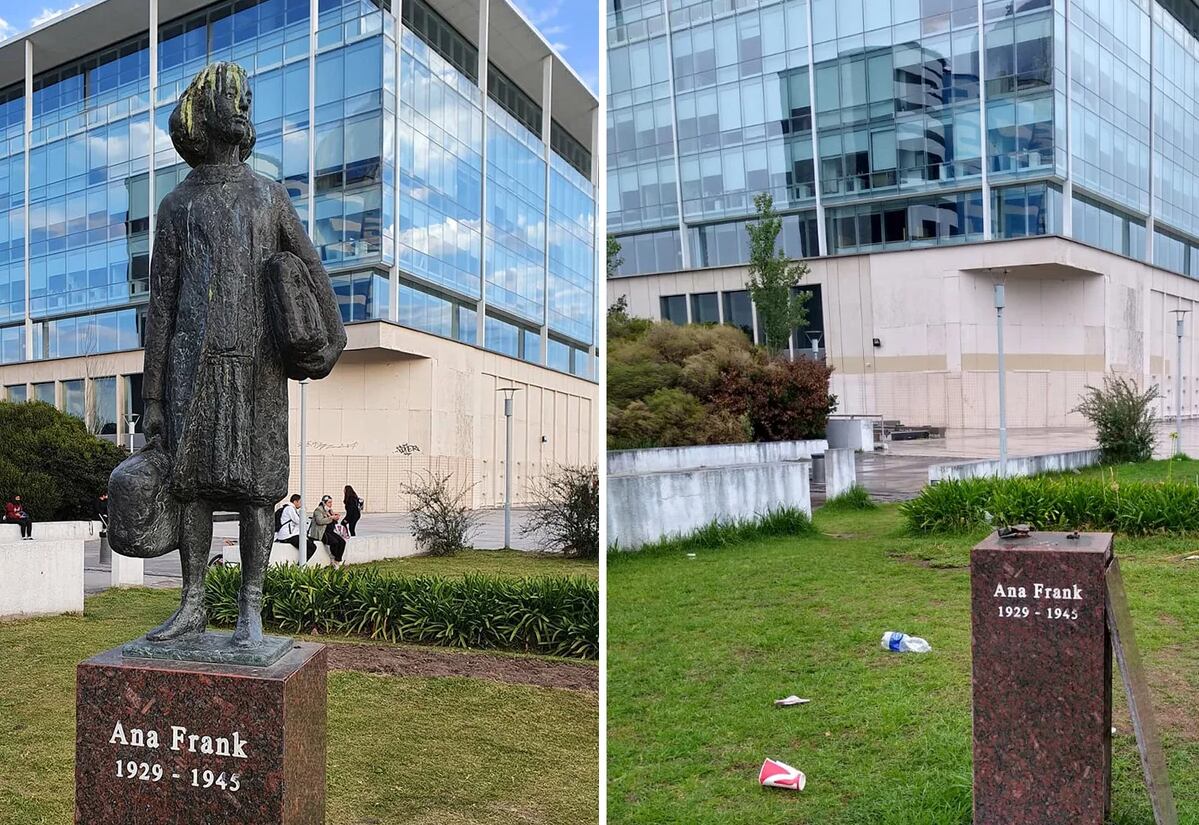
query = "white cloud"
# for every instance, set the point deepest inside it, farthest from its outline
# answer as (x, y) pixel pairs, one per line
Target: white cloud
(50, 14)
(543, 14)
(7, 29)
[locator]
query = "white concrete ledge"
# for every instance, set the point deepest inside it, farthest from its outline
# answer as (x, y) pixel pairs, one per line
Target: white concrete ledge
(851, 433)
(646, 508)
(840, 472)
(359, 550)
(667, 459)
(1030, 465)
(40, 578)
(54, 530)
(127, 571)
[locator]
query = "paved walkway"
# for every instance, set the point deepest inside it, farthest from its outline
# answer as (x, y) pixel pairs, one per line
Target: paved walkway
(164, 571)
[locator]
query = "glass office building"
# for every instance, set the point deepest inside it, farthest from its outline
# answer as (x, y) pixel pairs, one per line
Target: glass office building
(897, 124)
(448, 186)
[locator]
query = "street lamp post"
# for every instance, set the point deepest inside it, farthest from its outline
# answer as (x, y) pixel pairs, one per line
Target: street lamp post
(303, 542)
(508, 392)
(131, 420)
(999, 306)
(1179, 315)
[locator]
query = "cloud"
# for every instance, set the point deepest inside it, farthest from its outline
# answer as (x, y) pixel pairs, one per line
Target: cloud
(7, 29)
(543, 14)
(50, 14)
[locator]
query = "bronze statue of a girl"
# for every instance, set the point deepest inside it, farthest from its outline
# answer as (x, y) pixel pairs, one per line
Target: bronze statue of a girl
(239, 302)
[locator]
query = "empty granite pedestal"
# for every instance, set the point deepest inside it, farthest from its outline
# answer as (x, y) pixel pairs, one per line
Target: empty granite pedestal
(161, 741)
(1042, 679)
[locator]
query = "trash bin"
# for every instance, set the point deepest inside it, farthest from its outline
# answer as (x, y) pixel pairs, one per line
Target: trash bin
(105, 550)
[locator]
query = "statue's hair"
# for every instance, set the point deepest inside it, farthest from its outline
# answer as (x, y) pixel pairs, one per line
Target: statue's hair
(190, 130)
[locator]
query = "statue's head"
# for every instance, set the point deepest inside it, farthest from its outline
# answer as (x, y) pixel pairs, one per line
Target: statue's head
(214, 111)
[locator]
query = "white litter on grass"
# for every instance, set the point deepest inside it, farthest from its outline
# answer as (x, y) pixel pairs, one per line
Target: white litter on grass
(903, 643)
(1191, 558)
(781, 775)
(690, 555)
(790, 700)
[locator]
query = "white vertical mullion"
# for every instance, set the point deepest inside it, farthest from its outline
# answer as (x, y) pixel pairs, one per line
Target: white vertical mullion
(1151, 222)
(599, 188)
(674, 130)
(150, 179)
(821, 233)
(28, 152)
(1068, 188)
(484, 39)
(313, 22)
(982, 122)
(393, 311)
(547, 97)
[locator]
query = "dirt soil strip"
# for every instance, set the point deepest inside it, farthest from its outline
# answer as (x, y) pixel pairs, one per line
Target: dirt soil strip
(406, 661)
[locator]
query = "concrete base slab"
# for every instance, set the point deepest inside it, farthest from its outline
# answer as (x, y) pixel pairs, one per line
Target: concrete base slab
(128, 572)
(40, 578)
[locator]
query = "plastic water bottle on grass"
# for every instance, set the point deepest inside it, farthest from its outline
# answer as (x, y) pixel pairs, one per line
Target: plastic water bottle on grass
(903, 643)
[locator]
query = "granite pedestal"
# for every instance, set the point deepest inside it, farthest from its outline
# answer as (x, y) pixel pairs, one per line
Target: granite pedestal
(160, 741)
(1042, 680)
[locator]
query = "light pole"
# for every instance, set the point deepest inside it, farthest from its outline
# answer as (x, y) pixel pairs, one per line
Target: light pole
(303, 542)
(508, 393)
(814, 340)
(131, 420)
(999, 305)
(1179, 315)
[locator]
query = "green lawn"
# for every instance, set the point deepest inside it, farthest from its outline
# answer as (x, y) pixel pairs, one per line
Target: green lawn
(1183, 470)
(413, 750)
(698, 649)
(496, 562)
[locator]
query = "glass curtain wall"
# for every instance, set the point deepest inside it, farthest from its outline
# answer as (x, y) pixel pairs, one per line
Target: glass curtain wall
(12, 225)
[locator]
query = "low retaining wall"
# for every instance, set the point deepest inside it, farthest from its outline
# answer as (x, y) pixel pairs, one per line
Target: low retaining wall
(54, 530)
(652, 506)
(840, 472)
(851, 433)
(668, 459)
(1030, 465)
(41, 578)
(359, 550)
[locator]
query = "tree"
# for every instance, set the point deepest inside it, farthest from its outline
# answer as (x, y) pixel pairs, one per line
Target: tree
(614, 259)
(772, 278)
(51, 459)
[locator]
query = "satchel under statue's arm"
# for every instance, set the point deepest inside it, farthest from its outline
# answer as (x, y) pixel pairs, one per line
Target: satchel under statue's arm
(293, 239)
(160, 319)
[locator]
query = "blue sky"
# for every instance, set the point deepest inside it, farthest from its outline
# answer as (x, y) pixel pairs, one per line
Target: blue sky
(571, 25)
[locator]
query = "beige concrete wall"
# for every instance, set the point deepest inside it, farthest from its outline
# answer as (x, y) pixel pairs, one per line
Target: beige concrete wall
(1073, 313)
(401, 403)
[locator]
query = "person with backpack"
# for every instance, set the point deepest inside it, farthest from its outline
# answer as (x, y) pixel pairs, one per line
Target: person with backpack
(15, 513)
(354, 506)
(287, 525)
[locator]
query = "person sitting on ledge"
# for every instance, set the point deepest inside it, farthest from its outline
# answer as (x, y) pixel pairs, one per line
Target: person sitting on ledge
(15, 513)
(288, 522)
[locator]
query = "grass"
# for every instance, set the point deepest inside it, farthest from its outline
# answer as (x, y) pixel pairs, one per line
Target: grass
(513, 563)
(417, 750)
(1183, 469)
(698, 649)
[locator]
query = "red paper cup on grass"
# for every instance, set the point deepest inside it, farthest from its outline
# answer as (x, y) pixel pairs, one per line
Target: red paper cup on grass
(781, 775)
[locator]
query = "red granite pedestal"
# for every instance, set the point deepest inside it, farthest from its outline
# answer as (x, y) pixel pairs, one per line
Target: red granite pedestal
(1042, 680)
(182, 742)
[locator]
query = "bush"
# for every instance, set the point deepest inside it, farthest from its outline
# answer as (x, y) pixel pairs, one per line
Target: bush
(1123, 419)
(677, 386)
(855, 498)
(549, 615)
(566, 516)
(50, 458)
(442, 519)
(1055, 503)
(782, 400)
